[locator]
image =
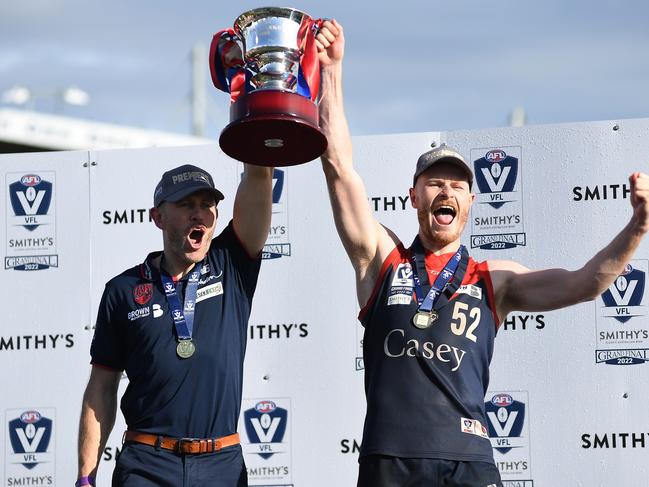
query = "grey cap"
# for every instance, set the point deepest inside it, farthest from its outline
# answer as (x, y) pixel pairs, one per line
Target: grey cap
(182, 181)
(443, 153)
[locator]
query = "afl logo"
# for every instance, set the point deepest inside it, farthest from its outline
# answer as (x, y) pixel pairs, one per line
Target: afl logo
(495, 155)
(30, 417)
(265, 406)
(502, 400)
(30, 180)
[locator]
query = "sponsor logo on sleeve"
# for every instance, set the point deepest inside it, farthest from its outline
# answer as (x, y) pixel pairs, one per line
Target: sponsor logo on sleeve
(209, 291)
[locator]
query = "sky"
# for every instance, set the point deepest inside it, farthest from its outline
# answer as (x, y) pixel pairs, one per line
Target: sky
(410, 66)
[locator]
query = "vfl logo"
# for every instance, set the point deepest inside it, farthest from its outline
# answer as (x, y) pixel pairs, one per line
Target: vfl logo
(177, 315)
(142, 293)
(403, 276)
(30, 434)
(265, 425)
(496, 173)
(169, 287)
(505, 418)
(626, 291)
(30, 197)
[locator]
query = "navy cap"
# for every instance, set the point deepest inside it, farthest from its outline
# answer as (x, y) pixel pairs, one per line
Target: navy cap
(443, 153)
(182, 181)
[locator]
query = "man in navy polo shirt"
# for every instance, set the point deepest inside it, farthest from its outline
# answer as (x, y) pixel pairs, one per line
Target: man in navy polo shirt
(176, 324)
(430, 312)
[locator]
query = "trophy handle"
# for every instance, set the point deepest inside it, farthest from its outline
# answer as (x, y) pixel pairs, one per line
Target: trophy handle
(226, 63)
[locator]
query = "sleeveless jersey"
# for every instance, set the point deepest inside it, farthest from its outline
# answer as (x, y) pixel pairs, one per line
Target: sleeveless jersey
(425, 388)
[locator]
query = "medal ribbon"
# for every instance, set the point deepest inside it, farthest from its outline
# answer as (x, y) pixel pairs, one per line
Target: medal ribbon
(441, 284)
(183, 318)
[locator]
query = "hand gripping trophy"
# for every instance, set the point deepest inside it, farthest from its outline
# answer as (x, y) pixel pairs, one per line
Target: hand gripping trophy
(268, 62)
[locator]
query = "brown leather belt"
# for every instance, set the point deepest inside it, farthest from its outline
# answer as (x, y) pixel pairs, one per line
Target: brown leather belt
(186, 446)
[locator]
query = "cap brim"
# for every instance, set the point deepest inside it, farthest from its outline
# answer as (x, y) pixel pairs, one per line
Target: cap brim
(448, 159)
(183, 193)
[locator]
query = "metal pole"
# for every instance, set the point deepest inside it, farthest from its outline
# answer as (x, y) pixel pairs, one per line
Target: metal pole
(199, 60)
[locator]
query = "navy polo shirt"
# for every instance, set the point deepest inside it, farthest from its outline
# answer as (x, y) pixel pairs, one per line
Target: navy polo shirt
(198, 397)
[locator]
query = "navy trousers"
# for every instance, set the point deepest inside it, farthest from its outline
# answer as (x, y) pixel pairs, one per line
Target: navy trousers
(386, 471)
(145, 466)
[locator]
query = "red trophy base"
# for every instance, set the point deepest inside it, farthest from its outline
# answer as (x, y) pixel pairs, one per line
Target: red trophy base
(273, 128)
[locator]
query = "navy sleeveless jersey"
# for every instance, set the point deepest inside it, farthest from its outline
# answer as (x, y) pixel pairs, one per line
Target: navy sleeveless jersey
(425, 388)
(198, 397)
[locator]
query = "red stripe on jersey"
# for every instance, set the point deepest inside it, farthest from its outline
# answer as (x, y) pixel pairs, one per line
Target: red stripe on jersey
(395, 257)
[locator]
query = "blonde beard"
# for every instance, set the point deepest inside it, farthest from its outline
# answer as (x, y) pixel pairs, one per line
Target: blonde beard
(440, 239)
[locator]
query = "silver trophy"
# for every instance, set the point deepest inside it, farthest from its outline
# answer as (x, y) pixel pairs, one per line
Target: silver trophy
(268, 63)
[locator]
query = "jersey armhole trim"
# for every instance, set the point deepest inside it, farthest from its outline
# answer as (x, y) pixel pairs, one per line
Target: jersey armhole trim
(395, 256)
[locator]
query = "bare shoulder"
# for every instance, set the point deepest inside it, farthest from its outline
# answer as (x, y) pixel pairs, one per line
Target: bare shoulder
(506, 266)
(387, 242)
(501, 271)
(366, 276)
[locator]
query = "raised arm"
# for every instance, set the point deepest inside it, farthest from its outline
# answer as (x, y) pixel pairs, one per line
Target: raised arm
(97, 418)
(366, 242)
(253, 207)
(518, 288)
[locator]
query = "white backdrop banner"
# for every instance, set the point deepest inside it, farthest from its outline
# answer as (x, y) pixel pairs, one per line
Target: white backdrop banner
(567, 401)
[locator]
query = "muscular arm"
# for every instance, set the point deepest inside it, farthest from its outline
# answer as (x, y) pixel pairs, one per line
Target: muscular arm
(366, 242)
(253, 207)
(97, 418)
(518, 288)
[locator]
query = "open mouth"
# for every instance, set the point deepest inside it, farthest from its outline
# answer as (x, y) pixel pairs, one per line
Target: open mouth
(196, 237)
(444, 215)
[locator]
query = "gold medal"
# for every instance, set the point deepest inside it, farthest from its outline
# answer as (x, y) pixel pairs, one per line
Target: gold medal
(185, 348)
(423, 320)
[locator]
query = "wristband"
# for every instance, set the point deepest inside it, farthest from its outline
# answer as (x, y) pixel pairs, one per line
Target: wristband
(85, 480)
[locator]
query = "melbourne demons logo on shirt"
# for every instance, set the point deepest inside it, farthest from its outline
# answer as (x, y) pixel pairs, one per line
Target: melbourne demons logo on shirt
(505, 419)
(496, 175)
(623, 298)
(30, 436)
(142, 293)
(30, 199)
(265, 427)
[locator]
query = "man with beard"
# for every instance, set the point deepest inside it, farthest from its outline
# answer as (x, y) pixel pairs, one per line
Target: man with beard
(431, 312)
(176, 324)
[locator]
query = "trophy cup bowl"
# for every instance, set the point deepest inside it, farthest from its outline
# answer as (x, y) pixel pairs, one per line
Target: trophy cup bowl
(274, 119)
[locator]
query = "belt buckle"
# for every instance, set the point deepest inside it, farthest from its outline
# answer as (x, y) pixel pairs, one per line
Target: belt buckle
(180, 443)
